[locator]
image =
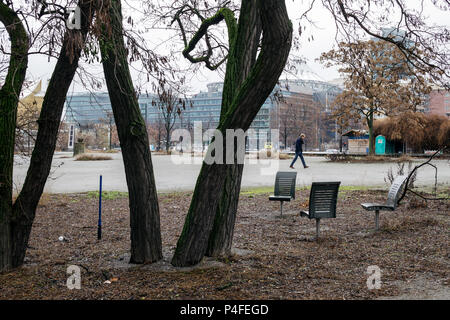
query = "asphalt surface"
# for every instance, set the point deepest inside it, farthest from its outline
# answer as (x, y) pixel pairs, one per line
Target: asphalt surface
(173, 173)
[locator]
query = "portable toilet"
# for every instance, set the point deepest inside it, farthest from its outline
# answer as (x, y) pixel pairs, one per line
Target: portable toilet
(380, 145)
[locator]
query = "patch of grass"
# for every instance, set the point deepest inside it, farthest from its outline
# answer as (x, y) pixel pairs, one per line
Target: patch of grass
(443, 195)
(92, 157)
(353, 188)
(257, 190)
(44, 200)
(443, 191)
(108, 195)
(269, 189)
(350, 189)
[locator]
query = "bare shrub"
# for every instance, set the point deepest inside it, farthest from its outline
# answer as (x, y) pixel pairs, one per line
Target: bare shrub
(92, 157)
(409, 127)
(265, 154)
(400, 171)
(284, 156)
(337, 157)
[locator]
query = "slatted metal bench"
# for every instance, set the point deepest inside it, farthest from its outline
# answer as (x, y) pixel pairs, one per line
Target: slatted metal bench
(391, 202)
(284, 187)
(322, 202)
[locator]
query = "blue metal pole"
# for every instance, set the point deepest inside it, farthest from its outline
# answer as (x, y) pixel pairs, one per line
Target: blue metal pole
(99, 229)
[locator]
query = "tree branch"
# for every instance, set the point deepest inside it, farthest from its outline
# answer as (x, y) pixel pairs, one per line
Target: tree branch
(222, 14)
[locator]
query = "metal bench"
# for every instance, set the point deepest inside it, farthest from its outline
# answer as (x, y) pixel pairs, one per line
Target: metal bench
(284, 187)
(322, 202)
(392, 200)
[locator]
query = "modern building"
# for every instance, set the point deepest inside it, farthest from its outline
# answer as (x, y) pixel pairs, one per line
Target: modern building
(85, 109)
(438, 102)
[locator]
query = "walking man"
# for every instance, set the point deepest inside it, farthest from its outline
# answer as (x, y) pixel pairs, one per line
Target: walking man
(299, 151)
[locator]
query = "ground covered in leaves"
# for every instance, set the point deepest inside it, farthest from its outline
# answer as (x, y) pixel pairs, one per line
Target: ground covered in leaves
(274, 257)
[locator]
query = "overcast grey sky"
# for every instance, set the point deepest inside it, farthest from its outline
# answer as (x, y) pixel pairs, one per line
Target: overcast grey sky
(324, 38)
(40, 68)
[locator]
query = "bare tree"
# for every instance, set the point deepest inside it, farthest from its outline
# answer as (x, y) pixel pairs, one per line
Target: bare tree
(404, 24)
(249, 80)
(170, 107)
(379, 81)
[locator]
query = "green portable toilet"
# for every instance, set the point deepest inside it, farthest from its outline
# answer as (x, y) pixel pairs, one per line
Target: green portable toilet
(380, 145)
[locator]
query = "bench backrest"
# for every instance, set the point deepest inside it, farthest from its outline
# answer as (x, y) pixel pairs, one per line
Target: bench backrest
(285, 184)
(323, 199)
(396, 189)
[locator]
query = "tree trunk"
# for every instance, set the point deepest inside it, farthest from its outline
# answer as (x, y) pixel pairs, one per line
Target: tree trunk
(242, 57)
(371, 137)
(221, 237)
(276, 43)
(144, 211)
(167, 139)
(49, 120)
(159, 136)
(285, 139)
(9, 98)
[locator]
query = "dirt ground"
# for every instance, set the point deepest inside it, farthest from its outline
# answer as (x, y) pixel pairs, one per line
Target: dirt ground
(274, 257)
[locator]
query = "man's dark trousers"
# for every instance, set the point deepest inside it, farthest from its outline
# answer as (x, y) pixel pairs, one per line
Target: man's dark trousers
(299, 154)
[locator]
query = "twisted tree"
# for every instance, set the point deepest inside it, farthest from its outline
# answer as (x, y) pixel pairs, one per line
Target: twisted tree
(250, 78)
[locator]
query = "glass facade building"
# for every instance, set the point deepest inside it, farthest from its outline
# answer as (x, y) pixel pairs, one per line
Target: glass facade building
(89, 108)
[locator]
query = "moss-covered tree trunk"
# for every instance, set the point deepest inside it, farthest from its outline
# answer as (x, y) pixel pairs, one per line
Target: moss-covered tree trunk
(221, 237)
(143, 201)
(241, 59)
(49, 120)
(9, 98)
(246, 102)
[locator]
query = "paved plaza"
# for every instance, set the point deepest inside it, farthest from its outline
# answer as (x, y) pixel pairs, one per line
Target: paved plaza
(69, 176)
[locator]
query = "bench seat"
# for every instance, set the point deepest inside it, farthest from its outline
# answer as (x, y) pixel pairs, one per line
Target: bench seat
(280, 198)
(284, 187)
(377, 206)
(322, 202)
(391, 202)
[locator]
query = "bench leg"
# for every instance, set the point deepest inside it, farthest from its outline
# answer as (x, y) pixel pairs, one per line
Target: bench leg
(281, 207)
(317, 228)
(377, 220)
